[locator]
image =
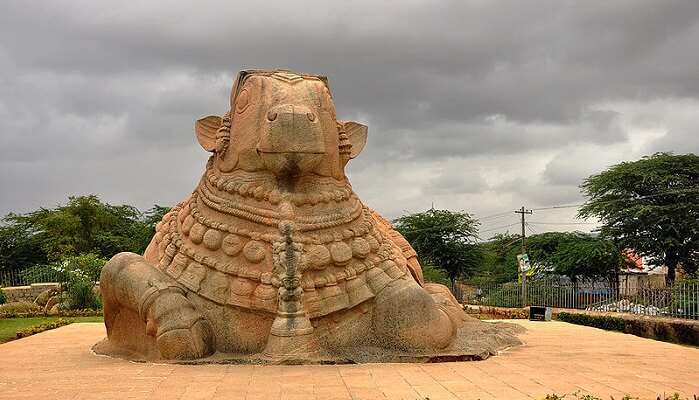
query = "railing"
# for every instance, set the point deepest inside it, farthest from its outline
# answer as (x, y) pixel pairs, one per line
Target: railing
(29, 276)
(679, 301)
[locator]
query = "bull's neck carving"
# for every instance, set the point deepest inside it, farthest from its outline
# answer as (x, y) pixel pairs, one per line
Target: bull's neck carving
(325, 203)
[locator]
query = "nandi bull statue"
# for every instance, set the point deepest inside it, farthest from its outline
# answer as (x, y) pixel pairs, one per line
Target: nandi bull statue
(274, 258)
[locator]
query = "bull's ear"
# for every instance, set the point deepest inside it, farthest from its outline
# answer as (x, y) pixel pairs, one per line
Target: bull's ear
(206, 131)
(357, 135)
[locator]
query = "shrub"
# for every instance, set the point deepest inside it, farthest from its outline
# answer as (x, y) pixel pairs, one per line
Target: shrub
(486, 312)
(59, 313)
(79, 274)
(32, 330)
(18, 307)
(3, 298)
(85, 267)
(596, 321)
(81, 295)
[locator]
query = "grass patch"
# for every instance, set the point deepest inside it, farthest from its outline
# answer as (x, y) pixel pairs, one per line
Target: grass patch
(10, 326)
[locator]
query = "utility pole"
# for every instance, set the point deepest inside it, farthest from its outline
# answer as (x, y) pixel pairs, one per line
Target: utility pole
(523, 211)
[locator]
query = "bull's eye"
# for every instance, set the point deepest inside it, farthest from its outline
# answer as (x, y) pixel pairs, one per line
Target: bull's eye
(241, 103)
(272, 115)
(311, 116)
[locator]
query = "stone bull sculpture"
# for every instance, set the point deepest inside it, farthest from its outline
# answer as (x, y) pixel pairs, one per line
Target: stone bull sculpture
(273, 255)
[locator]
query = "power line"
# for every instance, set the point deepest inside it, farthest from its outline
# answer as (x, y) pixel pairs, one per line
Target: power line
(556, 207)
(562, 223)
(505, 213)
(529, 227)
(498, 227)
(616, 200)
(495, 216)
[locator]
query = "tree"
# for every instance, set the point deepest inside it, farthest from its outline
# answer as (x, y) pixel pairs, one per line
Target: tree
(444, 239)
(650, 205)
(576, 255)
(84, 225)
(146, 226)
(499, 259)
(19, 245)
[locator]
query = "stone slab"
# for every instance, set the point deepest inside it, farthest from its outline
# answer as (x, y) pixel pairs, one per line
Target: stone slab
(556, 357)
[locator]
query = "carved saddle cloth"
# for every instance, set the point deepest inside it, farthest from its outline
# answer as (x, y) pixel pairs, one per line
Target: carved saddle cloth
(234, 264)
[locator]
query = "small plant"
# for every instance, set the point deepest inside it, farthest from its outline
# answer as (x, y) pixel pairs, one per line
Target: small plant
(3, 298)
(584, 396)
(18, 308)
(33, 330)
(554, 397)
(676, 396)
(80, 274)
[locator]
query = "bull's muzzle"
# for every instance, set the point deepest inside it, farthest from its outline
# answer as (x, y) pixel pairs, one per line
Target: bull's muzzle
(293, 142)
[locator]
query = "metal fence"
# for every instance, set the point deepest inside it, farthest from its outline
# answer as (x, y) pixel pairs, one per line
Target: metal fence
(680, 300)
(31, 275)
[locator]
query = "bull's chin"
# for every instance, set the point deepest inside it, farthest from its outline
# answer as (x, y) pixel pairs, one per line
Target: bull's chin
(289, 167)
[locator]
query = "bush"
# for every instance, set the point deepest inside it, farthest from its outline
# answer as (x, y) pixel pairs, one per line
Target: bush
(3, 298)
(80, 273)
(18, 307)
(487, 312)
(32, 330)
(596, 321)
(85, 267)
(81, 295)
(60, 313)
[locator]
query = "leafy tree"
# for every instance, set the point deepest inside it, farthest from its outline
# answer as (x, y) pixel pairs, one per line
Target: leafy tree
(83, 225)
(652, 206)
(572, 254)
(149, 220)
(499, 259)
(435, 275)
(19, 246)
(575, 255)
(444, 239)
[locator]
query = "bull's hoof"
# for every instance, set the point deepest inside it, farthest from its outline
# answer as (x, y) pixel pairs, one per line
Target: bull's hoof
(187, 343)
(181, 331)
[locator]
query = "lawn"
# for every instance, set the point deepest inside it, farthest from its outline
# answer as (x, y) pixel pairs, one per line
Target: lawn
(9, 326)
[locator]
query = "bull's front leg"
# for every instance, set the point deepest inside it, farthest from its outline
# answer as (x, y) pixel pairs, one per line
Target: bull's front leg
(411, 317)
(148, 312)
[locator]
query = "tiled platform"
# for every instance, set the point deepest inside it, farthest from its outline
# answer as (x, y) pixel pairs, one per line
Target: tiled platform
(556, 357)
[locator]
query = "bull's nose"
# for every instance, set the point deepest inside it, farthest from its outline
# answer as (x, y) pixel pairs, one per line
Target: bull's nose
(289, 111)
(292, 140)
(292, 129)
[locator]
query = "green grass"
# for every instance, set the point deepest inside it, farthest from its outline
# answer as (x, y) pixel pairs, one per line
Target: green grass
(9, 326)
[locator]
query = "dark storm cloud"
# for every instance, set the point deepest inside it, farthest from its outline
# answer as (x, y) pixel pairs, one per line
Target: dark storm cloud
(101, 97)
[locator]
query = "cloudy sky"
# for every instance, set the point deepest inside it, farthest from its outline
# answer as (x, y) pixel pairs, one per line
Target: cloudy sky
(480, 106)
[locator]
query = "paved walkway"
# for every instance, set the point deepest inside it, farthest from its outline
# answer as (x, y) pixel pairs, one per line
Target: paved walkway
(557, 357)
